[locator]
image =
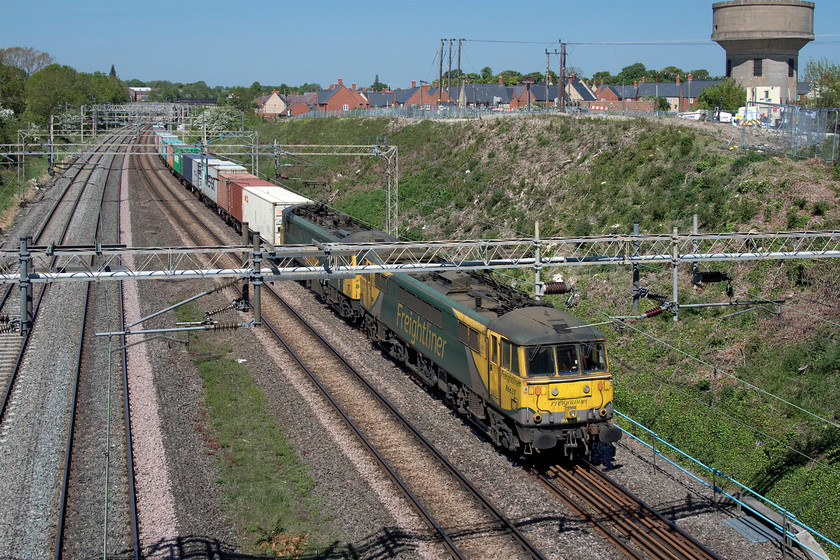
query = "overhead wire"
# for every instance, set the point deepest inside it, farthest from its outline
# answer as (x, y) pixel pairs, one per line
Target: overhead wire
(730, 375)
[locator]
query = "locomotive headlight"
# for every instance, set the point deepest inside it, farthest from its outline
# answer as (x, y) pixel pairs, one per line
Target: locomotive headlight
(554, 391)
(586, 389)
(537, 418)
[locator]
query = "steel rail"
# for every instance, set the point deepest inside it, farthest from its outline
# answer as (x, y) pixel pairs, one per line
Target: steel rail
(507, 525)
(132, 490)
(25, 342)
(450, 546)
(59, 539)
(631, 517)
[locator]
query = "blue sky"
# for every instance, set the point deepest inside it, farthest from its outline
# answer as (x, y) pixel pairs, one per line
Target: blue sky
(232, 42)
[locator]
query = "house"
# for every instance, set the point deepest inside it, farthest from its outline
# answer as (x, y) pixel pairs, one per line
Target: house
(424, 96)
(577, 93)
(139, 93)
(379, 99)
(483, 95)
(341, 98)
(271, 105)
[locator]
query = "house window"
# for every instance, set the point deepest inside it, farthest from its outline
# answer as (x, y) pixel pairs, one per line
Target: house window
(346, 107)
(790, 68)
(756, 67)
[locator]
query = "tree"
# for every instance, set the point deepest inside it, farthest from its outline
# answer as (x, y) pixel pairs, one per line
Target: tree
(240, 98)
(113, 72)
(575, 71)
(7, 125)
(535, 76)
(50, 88)
(486, 75)
(824, 77)
(632, 73)
(219, 119)
(100, 88)
(700, 74)
(728, 93)
(670, 74)
(26, 58)
(510, 77)
(603, 75)
(377, 85)
(12, 88)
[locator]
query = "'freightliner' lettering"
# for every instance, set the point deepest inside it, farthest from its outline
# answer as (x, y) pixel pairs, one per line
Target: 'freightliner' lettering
(418, 331)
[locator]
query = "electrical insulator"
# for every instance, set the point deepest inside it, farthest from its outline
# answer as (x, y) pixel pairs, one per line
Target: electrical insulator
(557, 288)
(653, 312)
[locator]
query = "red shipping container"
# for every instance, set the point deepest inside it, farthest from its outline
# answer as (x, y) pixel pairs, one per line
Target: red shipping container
(235, 194)
(223, 185)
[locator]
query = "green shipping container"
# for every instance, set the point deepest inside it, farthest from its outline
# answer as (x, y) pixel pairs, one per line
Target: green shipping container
(177, 160)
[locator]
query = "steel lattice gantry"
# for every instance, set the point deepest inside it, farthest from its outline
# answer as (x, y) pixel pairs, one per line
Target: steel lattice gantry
(31, 265)
(126, 263)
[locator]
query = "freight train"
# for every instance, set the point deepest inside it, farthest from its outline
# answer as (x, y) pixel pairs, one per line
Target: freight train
(535, 379)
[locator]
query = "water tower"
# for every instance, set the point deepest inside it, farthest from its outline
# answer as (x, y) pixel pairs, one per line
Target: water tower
(762, 39)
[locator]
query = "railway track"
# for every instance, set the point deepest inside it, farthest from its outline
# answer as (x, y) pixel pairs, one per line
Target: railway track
(37, 422)
(99, 513)
(442, 496)
(634, 528)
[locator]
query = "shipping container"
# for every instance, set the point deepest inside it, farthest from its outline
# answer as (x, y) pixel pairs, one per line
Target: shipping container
(209, 188)
(168, 143)
(177, 156)
(199, 170)
(160, 141)
(223, 182)
(262, 208)
(190, 161)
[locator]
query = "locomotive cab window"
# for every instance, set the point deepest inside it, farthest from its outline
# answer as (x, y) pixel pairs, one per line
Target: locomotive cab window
(510, 357)
(567, 359)
(594, 357)
(541, 361)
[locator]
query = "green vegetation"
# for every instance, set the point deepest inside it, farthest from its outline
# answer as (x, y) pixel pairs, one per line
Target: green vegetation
(496, 177)
(267, 492)
(728, 93)
(824, 77)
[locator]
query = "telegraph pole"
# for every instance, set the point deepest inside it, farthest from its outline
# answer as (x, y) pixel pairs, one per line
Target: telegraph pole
(449, 71)
(561, 94)
(440, 76)
(459, 69)
(547, 75)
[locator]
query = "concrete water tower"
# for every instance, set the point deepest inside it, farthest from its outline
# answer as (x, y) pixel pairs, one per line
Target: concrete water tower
(762, 39)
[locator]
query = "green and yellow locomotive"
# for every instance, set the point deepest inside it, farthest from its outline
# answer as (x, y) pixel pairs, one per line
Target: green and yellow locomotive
(533, 377)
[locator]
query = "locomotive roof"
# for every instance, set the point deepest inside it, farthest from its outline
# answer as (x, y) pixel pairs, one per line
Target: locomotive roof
(542, 325)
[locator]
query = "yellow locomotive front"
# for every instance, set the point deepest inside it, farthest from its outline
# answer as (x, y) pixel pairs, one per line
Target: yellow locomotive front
(554, 374)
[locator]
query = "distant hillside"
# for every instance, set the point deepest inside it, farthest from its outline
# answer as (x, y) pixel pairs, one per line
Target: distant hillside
(496, 177)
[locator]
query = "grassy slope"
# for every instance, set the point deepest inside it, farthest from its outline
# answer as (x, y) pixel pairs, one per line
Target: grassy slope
(496, 177)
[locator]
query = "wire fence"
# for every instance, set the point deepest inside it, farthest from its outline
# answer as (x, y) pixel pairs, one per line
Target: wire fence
(794, 130)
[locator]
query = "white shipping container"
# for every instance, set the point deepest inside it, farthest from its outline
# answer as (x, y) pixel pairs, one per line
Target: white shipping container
(200, 171)
(262, 208)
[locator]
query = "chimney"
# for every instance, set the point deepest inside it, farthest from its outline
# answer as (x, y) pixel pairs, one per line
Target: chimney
(413, 83)
(678, 79)
(354, 86)
(643, 79)
(501, 81)
(340, 83)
